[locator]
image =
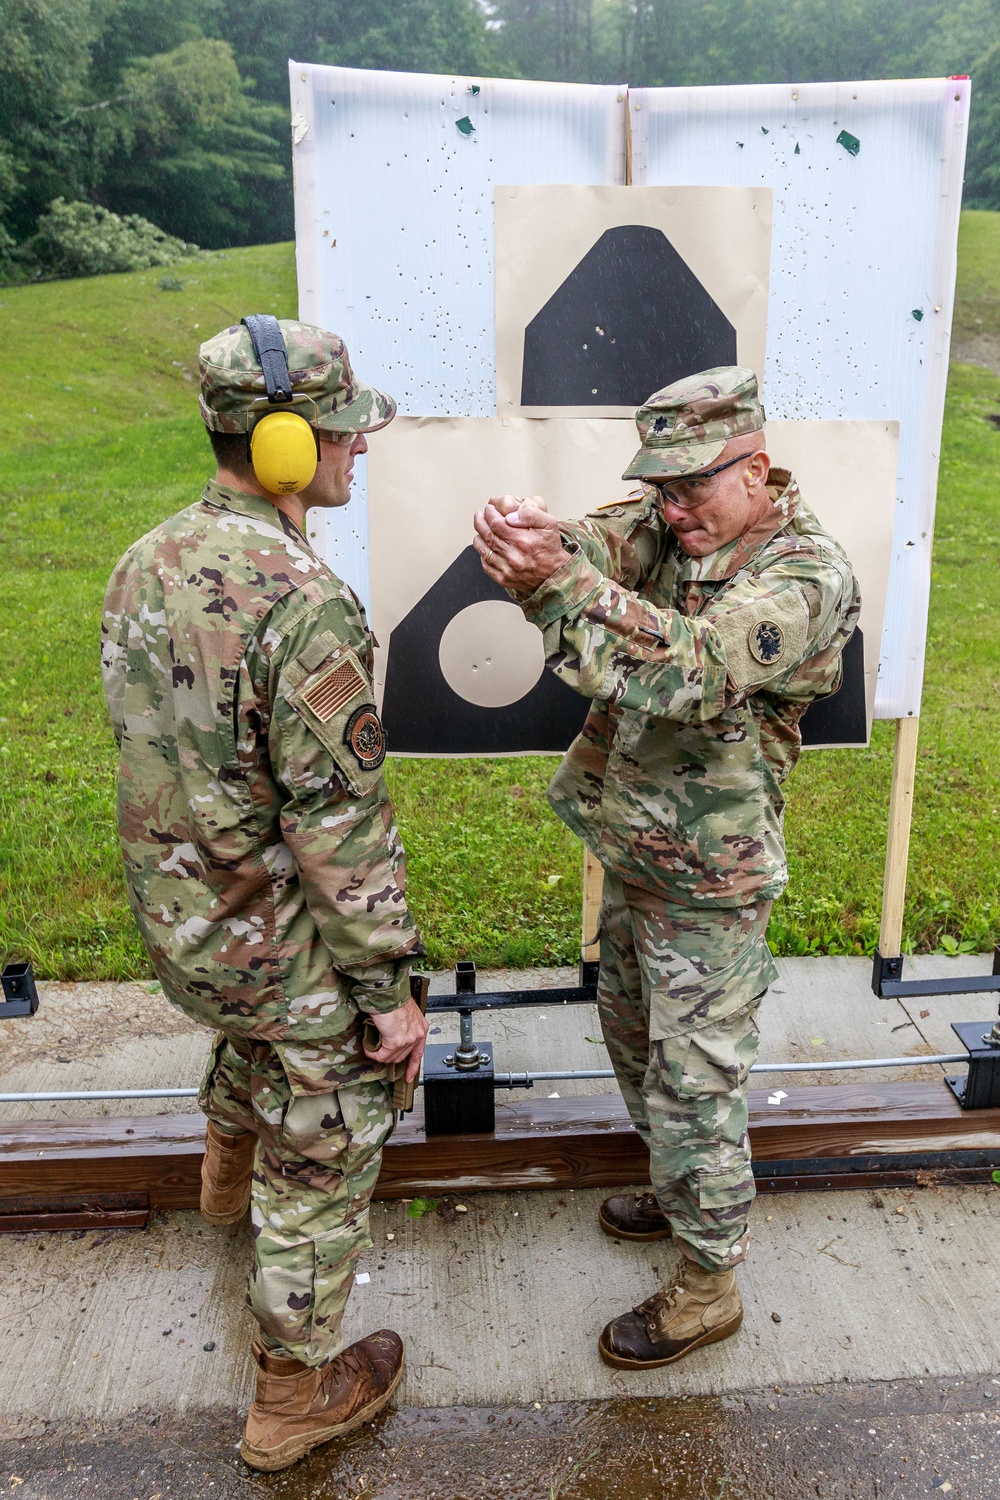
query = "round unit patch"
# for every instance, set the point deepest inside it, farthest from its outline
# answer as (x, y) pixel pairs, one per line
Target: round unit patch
(766, 642)
(366, 737)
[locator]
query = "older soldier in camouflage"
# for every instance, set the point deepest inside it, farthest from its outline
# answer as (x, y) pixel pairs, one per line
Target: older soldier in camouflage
(702, 615)
(266, 873)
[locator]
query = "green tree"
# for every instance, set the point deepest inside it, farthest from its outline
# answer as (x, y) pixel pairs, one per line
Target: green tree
(426, 36)
(185, 146)
(44, 62)
(964, 41)
(565, 40)
(125, 30)
(982, 173)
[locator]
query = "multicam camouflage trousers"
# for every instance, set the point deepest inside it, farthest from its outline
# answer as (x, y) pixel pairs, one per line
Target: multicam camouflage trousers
(317, 1163)
(678, 995)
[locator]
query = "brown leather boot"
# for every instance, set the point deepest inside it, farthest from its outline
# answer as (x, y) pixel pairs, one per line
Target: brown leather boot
(696, 1307)
(299, 1406)
(634, 1216)
(226, 1170)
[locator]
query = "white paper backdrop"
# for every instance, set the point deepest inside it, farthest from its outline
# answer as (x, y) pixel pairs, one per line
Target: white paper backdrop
(395, 251)
(860, 243)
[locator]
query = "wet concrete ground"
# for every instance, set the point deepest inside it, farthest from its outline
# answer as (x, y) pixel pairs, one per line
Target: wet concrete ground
(876, 1441)
(124, 1371)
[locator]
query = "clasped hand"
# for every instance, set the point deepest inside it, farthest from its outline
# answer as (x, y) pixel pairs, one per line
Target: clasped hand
(519, 542)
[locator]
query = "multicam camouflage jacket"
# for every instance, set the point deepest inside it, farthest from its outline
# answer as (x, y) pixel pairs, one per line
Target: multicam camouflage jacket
(263, 863)
(700, 670)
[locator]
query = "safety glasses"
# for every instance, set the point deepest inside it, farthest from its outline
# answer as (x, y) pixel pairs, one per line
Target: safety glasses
(695, 488)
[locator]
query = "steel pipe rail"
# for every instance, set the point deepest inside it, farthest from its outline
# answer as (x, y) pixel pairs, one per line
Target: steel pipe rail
(523, 1080)
(846, 1064)
(54, 1098)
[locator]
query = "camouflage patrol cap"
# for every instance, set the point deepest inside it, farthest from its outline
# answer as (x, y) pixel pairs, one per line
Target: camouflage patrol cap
(685, 426)
(319, 367)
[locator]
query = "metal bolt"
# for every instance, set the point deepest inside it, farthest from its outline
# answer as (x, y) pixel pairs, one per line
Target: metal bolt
(467, 1055)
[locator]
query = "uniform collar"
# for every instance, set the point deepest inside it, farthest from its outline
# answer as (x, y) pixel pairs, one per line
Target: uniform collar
(718, 566)
(225, 497)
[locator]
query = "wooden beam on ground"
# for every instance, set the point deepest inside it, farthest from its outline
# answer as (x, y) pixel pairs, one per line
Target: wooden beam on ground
(34, 1212)
(844, 1135)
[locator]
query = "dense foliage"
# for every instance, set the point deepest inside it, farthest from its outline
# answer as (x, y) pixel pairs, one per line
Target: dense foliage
(178, 113)
(80, 239)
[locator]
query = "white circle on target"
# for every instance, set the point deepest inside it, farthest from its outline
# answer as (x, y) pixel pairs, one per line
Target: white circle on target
(490, 655)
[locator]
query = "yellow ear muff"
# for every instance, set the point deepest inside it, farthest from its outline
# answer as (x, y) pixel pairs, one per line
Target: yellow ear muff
(283, 452)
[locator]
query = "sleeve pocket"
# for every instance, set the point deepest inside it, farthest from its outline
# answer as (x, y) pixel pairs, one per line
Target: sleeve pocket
(765, 638)
(337, 703)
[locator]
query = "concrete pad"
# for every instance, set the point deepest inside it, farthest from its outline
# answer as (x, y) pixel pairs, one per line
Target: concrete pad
(503, 1304)
(507, 1300)
(100, 1036)
(82, 1319)
(932, 1015)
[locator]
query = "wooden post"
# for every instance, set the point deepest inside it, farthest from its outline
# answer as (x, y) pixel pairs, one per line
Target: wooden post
(593, 889)
(897, 849)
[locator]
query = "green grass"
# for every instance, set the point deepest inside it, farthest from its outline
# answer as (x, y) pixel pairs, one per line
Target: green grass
(838, 803)
(977, 304)
(103, 441)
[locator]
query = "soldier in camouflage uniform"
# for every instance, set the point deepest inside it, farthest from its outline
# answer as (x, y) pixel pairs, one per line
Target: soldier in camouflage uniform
(702, 615)
(266, 873)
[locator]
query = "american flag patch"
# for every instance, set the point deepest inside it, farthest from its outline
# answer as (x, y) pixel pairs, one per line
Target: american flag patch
(334, 689)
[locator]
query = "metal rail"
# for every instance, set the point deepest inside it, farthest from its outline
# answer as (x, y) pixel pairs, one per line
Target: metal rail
(515, 1080)
(469, 1000)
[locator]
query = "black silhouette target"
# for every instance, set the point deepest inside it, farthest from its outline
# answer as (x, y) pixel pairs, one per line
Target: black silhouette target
(631, 318)
(422, 713)
(841, 719)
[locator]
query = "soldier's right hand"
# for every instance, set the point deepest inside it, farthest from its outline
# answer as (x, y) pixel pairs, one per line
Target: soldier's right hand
(403, 1033)
(508, 504)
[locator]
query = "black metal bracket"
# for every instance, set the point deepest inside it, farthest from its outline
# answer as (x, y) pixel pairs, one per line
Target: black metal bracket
(980, 1088)
(20, 995)
(888, 982)
(459, 1081)
(466, 999)
(458, 1101)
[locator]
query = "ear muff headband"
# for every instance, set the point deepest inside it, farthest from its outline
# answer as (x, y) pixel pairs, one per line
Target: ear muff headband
(272, 356)
(282, 446)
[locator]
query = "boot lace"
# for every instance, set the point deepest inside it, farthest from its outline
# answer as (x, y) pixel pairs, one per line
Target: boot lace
(664, 1298)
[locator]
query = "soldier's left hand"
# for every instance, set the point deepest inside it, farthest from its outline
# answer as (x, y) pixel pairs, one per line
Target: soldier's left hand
(403, 1034)
(519, 550)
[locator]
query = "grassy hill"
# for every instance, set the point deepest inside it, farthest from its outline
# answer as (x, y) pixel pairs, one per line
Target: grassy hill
(103, 440)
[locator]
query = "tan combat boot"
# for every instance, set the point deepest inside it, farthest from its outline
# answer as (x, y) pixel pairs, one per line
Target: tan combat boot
(634, 1216)
(299, 1406)
(696, 1307)
(226, 1169)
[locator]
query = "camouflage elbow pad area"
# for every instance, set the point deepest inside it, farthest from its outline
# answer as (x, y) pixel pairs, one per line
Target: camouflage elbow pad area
(678, 996)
